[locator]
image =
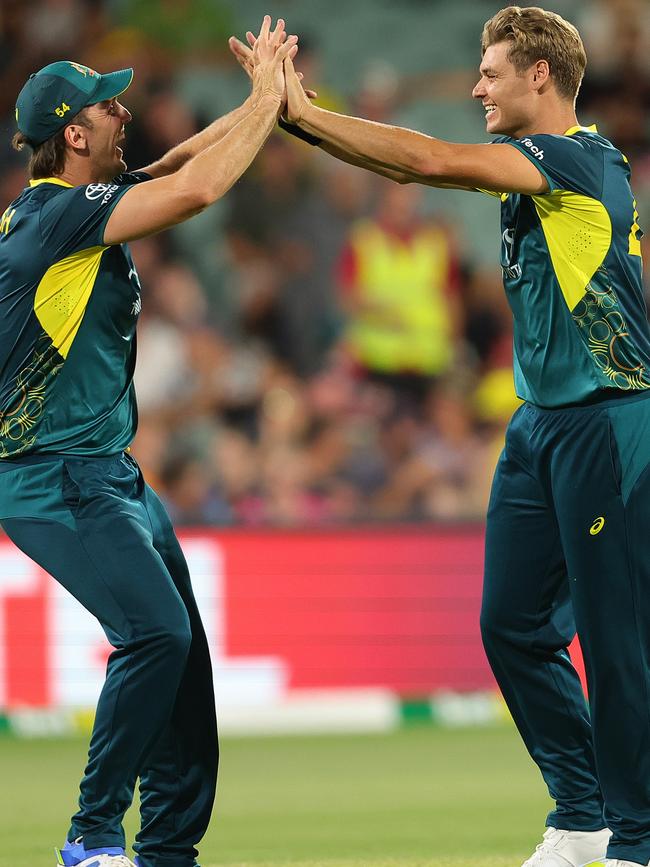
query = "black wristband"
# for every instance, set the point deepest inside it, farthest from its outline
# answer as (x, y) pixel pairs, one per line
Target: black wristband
(292, 129)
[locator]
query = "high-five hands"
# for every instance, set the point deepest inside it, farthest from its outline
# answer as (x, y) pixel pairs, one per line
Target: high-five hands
(264, 64)
(245, 53)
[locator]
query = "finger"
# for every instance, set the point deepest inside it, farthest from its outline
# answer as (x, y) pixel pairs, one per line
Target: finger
(243, 55)
(239, 49)
(241, 60)
(288, 68)
(277, 32)
(264, 29)
(312, 94)
(289, 46)
(250, 37)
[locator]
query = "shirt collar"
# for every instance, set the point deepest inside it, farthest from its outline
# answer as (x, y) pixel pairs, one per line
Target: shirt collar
(38, 181)
(574, 129)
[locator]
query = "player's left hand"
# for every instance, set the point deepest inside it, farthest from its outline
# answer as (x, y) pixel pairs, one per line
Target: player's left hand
(244, 55)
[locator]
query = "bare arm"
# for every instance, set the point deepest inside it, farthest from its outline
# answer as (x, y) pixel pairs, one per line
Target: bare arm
(176, 158)
(243, 54)
(379, 169)
(421, 158)
(355, 160)
(164, 201)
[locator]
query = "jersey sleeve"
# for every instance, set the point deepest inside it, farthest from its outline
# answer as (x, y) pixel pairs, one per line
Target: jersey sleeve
(501, 139)
(75, 218)
(567, 162)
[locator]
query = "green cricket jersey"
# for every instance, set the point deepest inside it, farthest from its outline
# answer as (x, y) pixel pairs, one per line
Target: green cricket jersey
(68, 311)
(571, 261)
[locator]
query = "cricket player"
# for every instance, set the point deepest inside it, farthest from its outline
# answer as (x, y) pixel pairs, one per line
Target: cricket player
(567, 527)
(71, 495)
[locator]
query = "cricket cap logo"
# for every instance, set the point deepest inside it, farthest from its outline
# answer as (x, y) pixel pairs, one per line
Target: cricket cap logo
(84, 70)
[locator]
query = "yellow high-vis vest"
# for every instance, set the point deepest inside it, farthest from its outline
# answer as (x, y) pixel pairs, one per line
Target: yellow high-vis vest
(403, 323)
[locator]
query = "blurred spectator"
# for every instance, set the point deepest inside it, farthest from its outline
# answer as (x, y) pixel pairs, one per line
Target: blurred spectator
(284, 231)
(399, 274)
(189, 495)
(617, 89)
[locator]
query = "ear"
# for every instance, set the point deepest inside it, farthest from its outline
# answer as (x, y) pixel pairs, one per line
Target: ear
(75, 136)
(540, 74)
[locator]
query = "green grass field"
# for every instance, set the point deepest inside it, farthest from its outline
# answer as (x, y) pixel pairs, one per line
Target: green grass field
(463, 798)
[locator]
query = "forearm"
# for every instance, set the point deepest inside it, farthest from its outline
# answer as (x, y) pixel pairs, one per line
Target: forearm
(379, 145)
(217, 167)
(362, 163)
(176, 158)
(163, 202)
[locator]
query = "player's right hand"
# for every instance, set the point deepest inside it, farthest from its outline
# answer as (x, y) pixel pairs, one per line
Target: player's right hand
(270, 50)
(297, 98)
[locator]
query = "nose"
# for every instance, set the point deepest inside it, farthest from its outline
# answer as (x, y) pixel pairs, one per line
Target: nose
(124, 114)
(479, 89)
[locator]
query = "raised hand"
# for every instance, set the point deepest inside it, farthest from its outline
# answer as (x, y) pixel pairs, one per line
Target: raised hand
(297, 98)
(244, 55)
(270, 49)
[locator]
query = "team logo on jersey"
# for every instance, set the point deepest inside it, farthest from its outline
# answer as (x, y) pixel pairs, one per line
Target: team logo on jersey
(510, 269)
(538, 153)
(136, 307)
(100, 191)
(597, 526)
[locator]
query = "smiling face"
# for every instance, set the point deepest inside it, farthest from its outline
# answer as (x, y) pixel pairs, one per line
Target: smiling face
(508, 96)
(105, 137)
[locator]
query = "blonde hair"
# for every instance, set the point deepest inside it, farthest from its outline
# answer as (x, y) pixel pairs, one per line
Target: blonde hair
(536, 34)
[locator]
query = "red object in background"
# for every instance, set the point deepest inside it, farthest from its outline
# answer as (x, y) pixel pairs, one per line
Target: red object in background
(26, 652)
(576, 658)
(389, 608)
(394, 607)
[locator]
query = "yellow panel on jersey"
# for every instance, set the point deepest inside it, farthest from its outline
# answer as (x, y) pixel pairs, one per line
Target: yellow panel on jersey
(58, 181)
(502, 196)
(63, 293)
(578, 231)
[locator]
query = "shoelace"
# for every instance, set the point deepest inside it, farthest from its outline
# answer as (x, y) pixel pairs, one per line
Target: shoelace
(117, 861)
(546, 847)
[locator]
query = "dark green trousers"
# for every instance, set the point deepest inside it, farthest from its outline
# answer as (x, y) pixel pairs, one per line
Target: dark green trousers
(105, 536)
(568, 547)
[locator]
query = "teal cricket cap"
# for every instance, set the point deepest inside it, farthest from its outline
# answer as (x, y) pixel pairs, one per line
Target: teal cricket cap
(51, 97)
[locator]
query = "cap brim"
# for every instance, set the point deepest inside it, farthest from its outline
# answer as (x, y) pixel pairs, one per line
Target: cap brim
(112, 84)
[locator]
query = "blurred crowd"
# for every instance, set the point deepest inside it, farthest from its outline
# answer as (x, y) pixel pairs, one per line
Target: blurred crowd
(321, 347)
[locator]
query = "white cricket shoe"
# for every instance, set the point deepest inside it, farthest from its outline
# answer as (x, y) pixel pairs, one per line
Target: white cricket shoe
(570, 848)
(74, 854)
(613, 862)
(106, 861)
